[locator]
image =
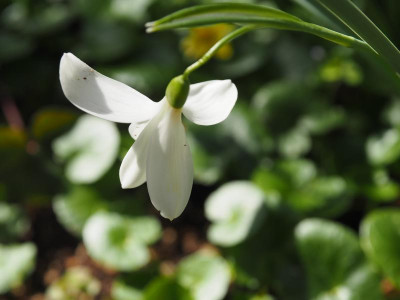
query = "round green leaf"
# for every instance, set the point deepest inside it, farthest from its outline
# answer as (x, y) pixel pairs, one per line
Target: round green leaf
(146, 230)
(236, 210)
(166, 289)
(295, 143)
(73, 209)
(122, 291)
(119, 242)
(207, 276)
(334, 262)
(16, 262)
(89, 149)
(384, 149)
(380, 239)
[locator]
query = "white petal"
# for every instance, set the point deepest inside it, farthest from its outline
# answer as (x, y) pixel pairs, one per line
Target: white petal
(169, 166)
(136, 128)
(102, 96)
(210, 102)
(133, 168)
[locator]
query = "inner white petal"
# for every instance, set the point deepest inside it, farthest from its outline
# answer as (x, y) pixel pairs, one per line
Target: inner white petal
(132, 172)
(169, 166)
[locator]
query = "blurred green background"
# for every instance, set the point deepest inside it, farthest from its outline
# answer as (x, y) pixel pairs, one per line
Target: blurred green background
(296, 194)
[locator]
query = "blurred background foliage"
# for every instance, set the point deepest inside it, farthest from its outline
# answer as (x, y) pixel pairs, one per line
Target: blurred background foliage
(296, 194)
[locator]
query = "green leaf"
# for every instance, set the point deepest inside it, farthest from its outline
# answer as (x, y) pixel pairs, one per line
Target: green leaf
(384, 149)
(207, 276)
(380, 239)
(247, 296)
(120, 242)
(334, 262)
(258, 15)
(328, 196)
(13, 222)
(207, 167)
(74, 208)
(382, 189)
(357, 21)
(122, 291)
(236, 210)
(89, 149)
(295, 143)
(391, 114)
(16, 262)
(221, 9)
(300, 171)
(261, 16)
(50, 121)
(166, 289)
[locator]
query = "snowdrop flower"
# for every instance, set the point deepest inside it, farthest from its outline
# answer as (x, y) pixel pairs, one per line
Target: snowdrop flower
(160, 155)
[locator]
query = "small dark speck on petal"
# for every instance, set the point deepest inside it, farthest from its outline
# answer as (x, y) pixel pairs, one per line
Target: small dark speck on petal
(84, 78)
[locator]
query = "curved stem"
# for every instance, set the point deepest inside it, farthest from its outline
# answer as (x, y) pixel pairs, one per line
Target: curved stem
(226, 39)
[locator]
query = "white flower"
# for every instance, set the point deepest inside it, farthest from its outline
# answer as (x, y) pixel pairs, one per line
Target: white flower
(160, 154)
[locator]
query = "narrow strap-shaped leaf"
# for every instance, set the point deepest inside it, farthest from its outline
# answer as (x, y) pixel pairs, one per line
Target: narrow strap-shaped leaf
(322, 16)
(225, 8)
(357, 21)
(265, 17)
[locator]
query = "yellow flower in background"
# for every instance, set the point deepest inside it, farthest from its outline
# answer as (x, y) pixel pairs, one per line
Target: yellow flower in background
(199, 40)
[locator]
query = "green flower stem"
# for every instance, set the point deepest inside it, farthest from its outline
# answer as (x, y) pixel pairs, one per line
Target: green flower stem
(257, 22)
(210, 53)
(358, 22)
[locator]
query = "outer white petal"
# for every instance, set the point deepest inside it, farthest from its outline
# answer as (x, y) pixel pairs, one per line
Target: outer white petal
(132, 172)
(210, 102)
(169, 166)
(102, 96)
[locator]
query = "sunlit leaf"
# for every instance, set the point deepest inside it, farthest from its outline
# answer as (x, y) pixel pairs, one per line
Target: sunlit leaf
(134, 10)
(236, 210)
(16, 262)
(380, 238)
(334, 262)
(120, 242)
(383, 187)
(207, 276)
(295, 143)
(89, 149)
(391, 114)
(121, 291)
(300, 171)
(166, 288)
(384, 149)
(341, 69)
